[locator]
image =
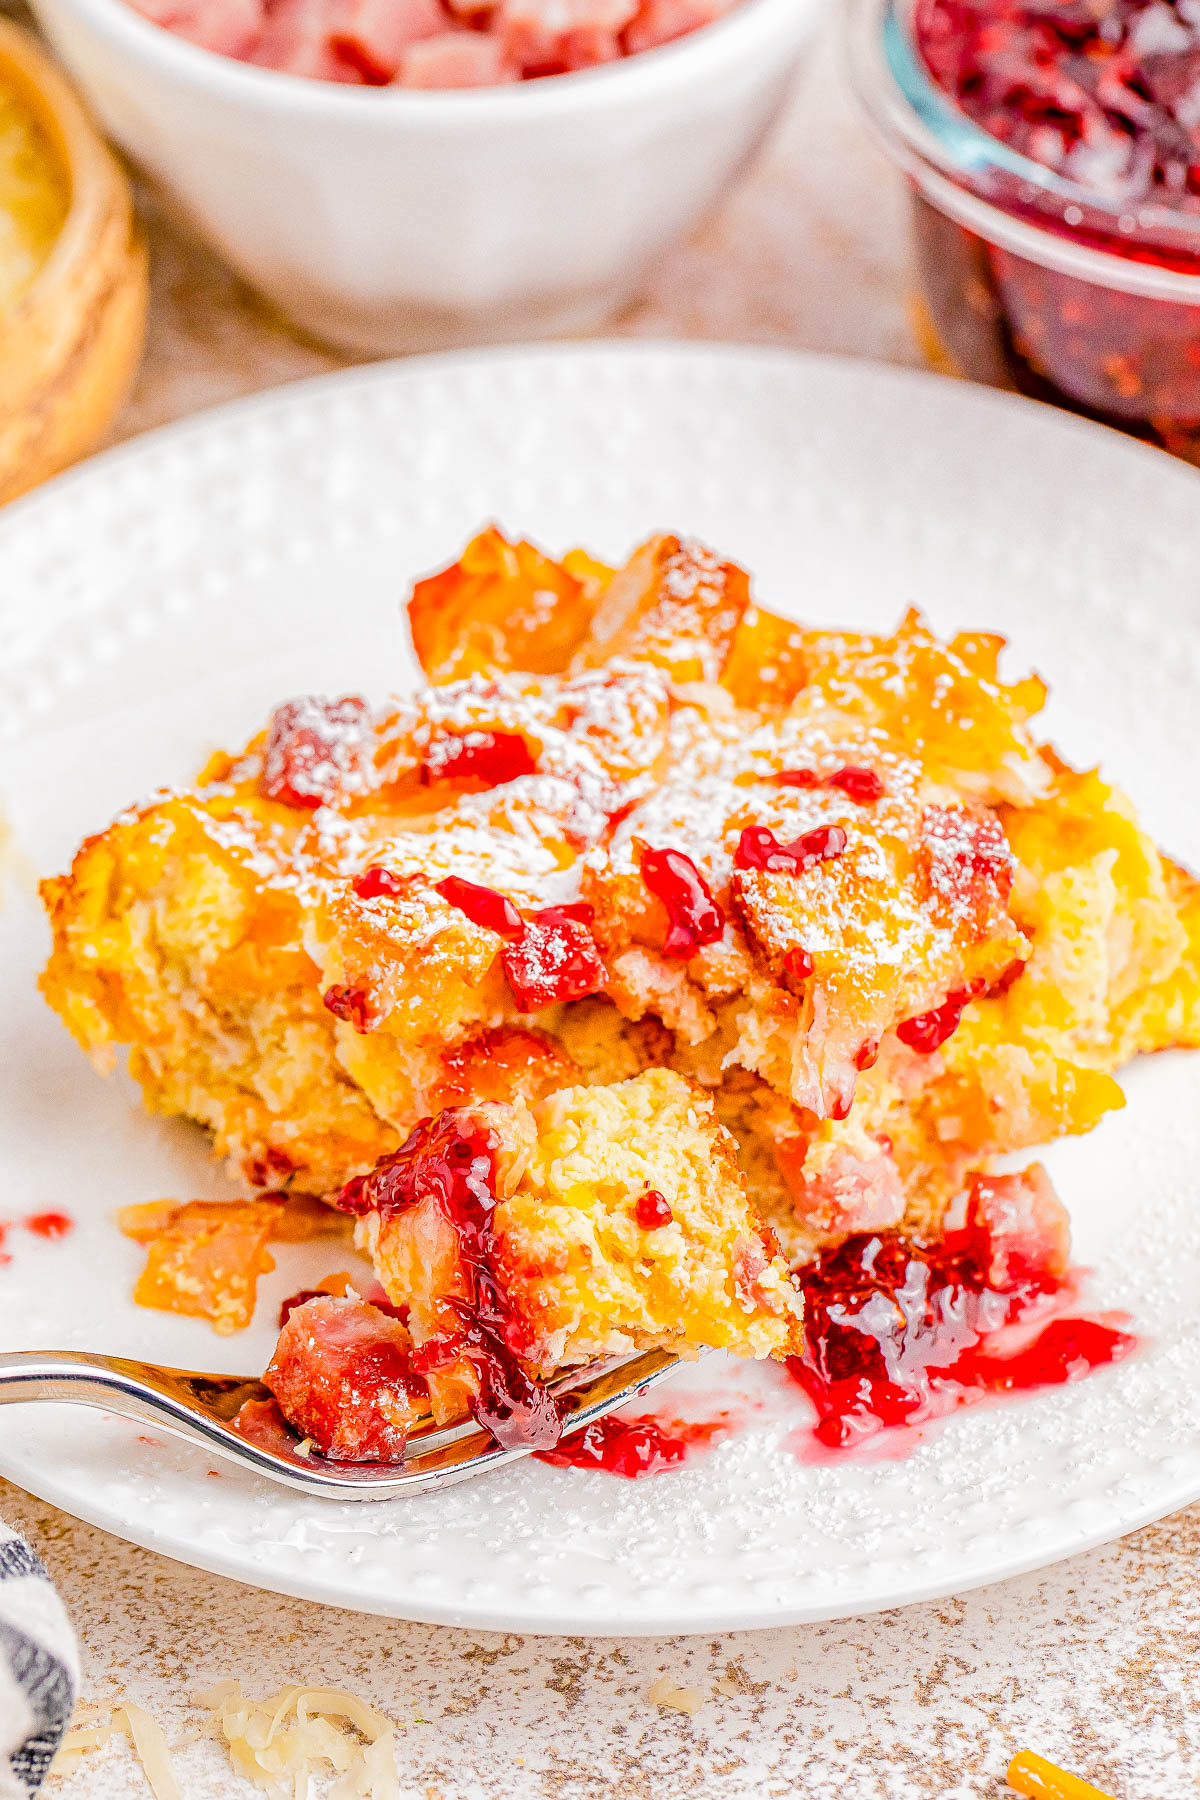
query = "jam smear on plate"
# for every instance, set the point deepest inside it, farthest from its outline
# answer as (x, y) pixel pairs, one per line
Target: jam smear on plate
(631, 1447)
(51, 1225)
(898, 1332)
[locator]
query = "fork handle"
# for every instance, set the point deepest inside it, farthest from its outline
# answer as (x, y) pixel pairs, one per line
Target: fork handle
(66, 1375)
(136, 1390)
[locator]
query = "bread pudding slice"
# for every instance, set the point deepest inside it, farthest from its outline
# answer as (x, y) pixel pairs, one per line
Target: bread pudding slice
(639, 823)
(522, 1241)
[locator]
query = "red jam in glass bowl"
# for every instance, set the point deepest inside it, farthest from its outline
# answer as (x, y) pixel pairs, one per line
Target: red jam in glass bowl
(1054, 152)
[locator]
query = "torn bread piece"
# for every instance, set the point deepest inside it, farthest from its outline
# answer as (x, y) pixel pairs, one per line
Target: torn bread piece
(604, 1220)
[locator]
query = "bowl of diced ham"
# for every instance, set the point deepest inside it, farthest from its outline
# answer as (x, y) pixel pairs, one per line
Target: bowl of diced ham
(410, 174)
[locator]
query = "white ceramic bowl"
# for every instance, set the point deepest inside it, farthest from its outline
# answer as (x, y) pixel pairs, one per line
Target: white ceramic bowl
(387, 220)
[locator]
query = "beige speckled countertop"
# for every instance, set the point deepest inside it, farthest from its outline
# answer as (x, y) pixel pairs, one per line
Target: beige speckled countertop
(1096, 1662)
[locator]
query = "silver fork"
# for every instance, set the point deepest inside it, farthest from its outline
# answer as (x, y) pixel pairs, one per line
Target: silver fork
(201, 1408)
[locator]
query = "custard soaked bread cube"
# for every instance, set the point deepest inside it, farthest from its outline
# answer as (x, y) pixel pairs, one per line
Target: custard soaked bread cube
(790, 893)
(180, 932)
(674, 604)
(503, 605)
(603, 1220)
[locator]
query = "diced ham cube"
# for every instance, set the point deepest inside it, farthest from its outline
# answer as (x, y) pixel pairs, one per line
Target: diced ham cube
(660, 21)
(455, 59)
(555, 18)
(295, 40)
(554, 959)
(342, 1377)
(1020, 1226)
(587, 49)
(543, 36)
(848, 1193)
(372, 35)
(230, 27)
(261, 1422)
(316, 749)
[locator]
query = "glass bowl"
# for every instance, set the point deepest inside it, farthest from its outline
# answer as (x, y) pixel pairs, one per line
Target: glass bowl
(1028, 281)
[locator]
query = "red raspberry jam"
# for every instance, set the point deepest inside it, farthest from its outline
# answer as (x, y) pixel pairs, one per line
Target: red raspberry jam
(489, 757)
(315, 752)
(861, 785)
(287, 1307)
(549, 958)
(798, 966)
(693, 917)
(52, 1225)
(1003, 982)
(554, 959)
(897, 1332)
(652, 1211)
(628, 1447)
(450, 1161)
(1107, 94)
(269, 1169)
(759, 848)
(376, 883)
(352, 1005)
(482, 905)
(929, 1031)
(1104, 96)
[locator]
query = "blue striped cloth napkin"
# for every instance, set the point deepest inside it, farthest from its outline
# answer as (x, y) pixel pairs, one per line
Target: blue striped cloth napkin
(39, 1669)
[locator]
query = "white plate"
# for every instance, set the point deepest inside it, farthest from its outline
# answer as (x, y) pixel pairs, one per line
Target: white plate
(159, 601)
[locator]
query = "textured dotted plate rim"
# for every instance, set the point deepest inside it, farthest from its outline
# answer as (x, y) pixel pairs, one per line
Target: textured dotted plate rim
(80, 630)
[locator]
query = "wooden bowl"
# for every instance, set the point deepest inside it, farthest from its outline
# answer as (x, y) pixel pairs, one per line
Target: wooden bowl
(70, 346)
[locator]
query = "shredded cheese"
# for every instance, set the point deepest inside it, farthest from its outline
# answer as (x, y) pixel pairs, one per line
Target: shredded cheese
(90, 1731)
(87, 1731)
(151, 1747)
(669, 1694)
(278, 1742)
